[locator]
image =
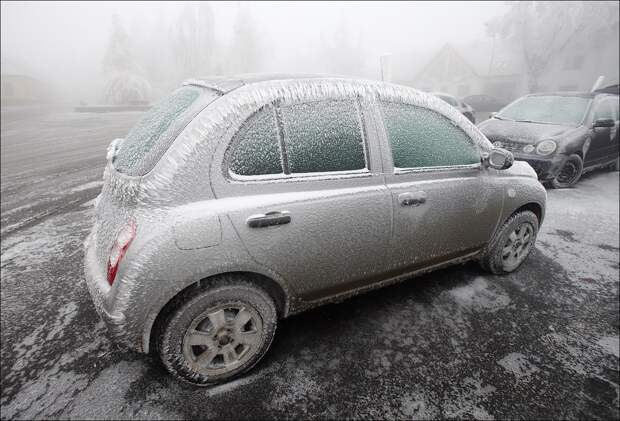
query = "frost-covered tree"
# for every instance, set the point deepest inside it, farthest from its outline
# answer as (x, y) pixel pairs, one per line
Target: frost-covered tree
(342, 51)
(245, 48)
(124, 83)
(193, 41)
(542, 30)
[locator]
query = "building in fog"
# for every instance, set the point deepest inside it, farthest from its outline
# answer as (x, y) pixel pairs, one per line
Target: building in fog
(473, 69)
(583, 61)
(19, 87)
(496, 68)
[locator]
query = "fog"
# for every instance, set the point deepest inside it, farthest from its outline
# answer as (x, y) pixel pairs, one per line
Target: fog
(64, 42)
(83, 51)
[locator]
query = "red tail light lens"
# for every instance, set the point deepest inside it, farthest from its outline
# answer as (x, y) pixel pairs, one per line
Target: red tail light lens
(123, 240)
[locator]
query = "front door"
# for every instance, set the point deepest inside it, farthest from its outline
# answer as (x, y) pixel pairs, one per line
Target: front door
(604, 140)
(445, 206)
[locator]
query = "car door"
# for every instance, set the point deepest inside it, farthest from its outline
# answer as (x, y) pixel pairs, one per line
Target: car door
(310, 203)
(604, 140)
(445, 206)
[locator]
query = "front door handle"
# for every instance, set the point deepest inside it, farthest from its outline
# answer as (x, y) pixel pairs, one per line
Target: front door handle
(412, 198)
(269, 219)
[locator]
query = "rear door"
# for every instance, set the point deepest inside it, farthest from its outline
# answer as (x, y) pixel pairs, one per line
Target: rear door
(306, 194)
(445, 205)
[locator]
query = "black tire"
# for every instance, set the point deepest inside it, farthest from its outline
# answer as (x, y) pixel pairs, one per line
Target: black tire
(494, 260)
(207, 314)
(570, 173)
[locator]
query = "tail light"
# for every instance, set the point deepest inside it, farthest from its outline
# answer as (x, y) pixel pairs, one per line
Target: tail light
(123, 240)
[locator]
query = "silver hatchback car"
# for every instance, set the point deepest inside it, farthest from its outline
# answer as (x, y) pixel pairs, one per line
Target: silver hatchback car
(239, 201)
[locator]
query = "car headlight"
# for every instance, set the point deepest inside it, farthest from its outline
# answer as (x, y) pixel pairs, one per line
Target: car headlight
(546, 147)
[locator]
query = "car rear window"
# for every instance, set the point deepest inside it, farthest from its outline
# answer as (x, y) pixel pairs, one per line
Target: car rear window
(256, 148)
(147, 141)
(323, 136)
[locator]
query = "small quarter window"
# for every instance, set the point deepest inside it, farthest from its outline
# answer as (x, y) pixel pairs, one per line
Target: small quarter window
(323, 136)
(256, 149)
(420, 137)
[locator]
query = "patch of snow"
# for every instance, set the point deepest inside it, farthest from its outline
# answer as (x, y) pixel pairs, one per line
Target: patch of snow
(87, 186)
(518, 364)
(610, 345)
(479, 296)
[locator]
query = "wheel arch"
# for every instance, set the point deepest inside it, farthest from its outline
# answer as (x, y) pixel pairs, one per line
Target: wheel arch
(534, 207)
(275, 290)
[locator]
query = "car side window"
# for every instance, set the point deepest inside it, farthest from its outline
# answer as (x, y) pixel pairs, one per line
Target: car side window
(420, 137)
(256, 146)
(323, 136)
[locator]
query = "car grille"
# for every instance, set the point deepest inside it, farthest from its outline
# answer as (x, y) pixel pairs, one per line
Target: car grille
(509, 146)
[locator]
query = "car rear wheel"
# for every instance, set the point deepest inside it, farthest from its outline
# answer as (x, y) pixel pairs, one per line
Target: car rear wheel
(217, 332)
(511, 244)
(569, 174)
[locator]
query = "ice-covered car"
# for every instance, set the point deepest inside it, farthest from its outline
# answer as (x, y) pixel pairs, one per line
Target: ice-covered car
(460, 105)
(561, 135)
(237, 202)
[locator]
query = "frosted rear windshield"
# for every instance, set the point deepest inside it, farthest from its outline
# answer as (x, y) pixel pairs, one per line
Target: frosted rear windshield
(149, 139)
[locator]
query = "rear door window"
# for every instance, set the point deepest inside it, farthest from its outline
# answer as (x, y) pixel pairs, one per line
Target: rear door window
(323, 136)
(420, 137)
(147, 141)
(256, 146)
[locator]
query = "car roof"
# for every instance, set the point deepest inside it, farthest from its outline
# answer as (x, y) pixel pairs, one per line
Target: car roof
(225, 84)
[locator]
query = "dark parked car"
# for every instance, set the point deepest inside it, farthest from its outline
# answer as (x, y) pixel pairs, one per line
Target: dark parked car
(463, 107)
(484, 103)
(560, 135)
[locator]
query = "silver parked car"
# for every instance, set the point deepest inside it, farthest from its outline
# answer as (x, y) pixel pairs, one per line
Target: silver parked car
(237, 202)
(460, 105)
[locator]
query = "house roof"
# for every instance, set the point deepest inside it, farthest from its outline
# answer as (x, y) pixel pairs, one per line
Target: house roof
(483, 58)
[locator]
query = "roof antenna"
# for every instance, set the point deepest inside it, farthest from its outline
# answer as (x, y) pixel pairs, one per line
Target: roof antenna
(598, 83)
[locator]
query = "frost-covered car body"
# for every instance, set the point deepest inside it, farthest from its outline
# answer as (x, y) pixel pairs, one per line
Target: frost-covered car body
(460, 105)
(306, 234)
(585, 124)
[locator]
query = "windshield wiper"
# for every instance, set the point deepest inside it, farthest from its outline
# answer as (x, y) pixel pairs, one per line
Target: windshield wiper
(502, 118)
(532, 121)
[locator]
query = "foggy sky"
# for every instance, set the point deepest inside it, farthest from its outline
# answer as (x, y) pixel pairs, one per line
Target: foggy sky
(64, 42)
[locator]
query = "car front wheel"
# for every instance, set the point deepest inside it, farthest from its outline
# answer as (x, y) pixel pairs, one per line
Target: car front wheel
(569, 174)
(511, 244)
(217, 332)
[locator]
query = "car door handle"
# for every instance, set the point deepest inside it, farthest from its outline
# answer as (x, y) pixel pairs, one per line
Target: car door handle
(412, 199)
(269, 219)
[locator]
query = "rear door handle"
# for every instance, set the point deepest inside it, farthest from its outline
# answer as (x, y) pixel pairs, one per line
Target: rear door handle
(412, 198)
(269, 219)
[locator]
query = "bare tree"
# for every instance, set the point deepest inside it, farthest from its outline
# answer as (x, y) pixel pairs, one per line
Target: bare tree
(193, 41)
(542, 30)
(342, 52)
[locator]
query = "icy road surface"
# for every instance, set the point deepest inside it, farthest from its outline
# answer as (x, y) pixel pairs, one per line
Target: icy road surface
(458, 343)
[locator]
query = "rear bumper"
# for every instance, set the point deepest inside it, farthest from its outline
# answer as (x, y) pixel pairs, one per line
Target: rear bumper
(99, 289)
(546, 168)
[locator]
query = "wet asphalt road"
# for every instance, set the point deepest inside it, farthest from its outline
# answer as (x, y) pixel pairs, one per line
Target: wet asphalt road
(458, 343)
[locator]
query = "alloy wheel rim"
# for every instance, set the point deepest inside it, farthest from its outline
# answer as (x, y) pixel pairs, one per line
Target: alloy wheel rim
(222, 338)
(517, 245)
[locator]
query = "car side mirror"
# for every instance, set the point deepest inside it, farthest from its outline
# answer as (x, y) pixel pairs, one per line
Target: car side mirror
(604, 122)
(498, 158)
